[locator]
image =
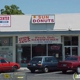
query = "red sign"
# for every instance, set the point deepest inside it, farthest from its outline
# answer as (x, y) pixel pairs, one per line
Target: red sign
(55, 47)
(39, 39)
(24, 39)
(4, 18)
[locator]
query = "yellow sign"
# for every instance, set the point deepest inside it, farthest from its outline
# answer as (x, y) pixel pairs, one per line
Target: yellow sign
(6, 76)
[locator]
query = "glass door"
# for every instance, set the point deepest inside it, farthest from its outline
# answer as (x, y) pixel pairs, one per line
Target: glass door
(74, 50)
(70, 50)
(67, 51)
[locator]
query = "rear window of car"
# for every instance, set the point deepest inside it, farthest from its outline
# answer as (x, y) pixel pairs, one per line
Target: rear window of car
(36, 59)
(71, 59)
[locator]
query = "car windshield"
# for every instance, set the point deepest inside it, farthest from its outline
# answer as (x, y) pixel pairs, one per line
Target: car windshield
(71, 59)
(36, 59)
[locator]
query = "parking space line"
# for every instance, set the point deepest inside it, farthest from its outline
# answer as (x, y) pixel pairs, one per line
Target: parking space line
(47, 73)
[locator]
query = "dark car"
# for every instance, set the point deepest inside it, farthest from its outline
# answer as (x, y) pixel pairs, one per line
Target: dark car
(44, 63)
(70, 63)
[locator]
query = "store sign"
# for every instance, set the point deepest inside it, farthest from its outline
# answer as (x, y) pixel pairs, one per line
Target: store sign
(43, 19)
(5, 20)
(55, 47)
(39, 39)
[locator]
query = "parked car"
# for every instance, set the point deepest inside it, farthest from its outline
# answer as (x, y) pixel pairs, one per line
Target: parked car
(44, 63)
(5, 65)
(70, 63)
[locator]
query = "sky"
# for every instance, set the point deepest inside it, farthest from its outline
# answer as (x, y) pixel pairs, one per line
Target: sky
(44, 6)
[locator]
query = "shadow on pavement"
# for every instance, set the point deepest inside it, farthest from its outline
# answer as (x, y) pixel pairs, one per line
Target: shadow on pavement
(68, 73)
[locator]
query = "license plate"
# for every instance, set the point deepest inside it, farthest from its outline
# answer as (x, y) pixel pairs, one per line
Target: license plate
(64, 64)
(34, 64)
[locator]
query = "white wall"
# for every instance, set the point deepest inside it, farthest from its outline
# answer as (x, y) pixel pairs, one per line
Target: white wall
(23, 23)
(18, 23)
(66, 21)
(62, 22)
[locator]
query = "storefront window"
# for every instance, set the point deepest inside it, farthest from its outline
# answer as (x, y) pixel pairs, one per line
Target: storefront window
(55, 50)
(74, 50)
(67, 41)
(71, 40)
(38, 50)
(70, 45)
(6, 41)
(74, 40)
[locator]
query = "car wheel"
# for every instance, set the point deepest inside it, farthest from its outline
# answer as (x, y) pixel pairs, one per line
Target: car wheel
(64, 71)
(78, 69)
(32, 71)
(14, 69)
(46, 69)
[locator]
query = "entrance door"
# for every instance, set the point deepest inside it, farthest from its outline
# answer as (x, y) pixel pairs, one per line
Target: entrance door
(70, 50)
(25, 55)
(67, 51)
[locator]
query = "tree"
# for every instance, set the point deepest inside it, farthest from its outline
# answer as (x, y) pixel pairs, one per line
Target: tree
(11, 10)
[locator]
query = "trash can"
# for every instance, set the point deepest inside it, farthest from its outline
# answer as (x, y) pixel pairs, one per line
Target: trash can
(19, 76)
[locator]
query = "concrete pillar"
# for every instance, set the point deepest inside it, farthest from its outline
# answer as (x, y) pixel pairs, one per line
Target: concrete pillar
(63, 51)
(14, 49)
(79, 45)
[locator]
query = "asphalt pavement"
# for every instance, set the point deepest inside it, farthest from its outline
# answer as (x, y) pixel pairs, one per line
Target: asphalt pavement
(49, 76)
(54, 75)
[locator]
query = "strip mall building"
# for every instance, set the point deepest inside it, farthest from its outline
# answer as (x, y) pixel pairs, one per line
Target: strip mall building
(25, 36)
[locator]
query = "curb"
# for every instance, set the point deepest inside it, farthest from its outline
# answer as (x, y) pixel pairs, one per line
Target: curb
(23, 69)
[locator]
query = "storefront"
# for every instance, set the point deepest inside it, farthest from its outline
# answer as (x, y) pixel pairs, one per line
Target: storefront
(46, 45)
(39, 45)
(26, 36)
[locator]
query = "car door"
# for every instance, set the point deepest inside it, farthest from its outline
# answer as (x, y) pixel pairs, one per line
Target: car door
(54, 63)
(1, 66)
(5, 64)
(47, 62)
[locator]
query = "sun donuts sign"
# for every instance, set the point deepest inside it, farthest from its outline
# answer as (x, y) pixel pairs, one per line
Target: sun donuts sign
(43, 19)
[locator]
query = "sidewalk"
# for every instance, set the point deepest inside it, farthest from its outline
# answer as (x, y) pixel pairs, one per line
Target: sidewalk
(23, 68)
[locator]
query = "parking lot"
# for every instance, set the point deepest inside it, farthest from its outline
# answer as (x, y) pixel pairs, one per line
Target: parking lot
(56, 75)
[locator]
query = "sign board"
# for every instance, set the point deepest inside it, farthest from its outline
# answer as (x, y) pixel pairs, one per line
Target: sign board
(39, 39)
(5, 20)
(43, 19)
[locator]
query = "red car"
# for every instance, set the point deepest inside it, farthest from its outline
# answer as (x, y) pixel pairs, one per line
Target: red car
(5, 65)
(70, 63)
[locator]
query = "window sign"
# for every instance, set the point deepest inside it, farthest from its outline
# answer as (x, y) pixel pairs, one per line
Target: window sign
(6, 41)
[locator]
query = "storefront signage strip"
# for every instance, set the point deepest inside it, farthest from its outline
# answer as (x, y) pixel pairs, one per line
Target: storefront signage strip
(39, 39)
